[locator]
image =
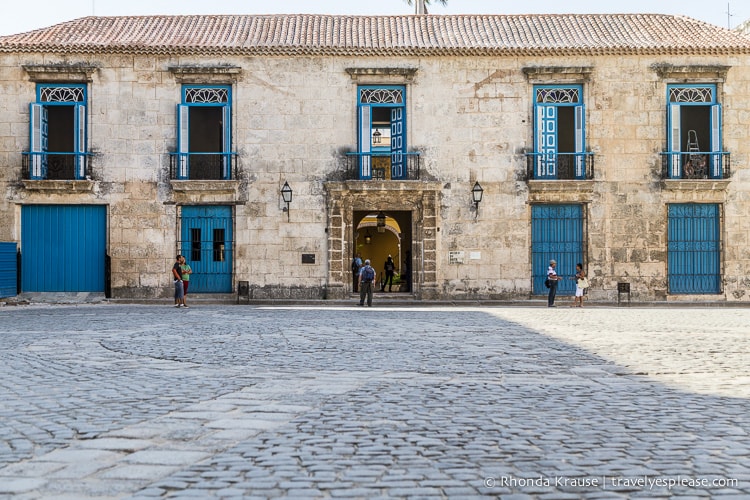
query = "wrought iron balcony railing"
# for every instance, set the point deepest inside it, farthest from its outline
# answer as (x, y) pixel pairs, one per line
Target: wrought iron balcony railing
(560, 166)
(383, 166)
(56, 166)
(203, 166)
(695, 165)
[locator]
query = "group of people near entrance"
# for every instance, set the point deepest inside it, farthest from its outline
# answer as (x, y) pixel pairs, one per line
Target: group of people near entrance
(181, 272)
(553, 279)
(365, 276)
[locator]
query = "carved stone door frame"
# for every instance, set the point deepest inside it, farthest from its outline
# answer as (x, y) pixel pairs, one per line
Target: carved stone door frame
(420, 198)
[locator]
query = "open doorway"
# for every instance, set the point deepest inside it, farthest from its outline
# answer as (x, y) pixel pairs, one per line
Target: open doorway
(393, 237)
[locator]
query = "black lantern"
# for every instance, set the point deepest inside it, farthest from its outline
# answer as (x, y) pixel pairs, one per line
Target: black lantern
(381, 222)
(376, 137)
(286, 195)
(476, 195)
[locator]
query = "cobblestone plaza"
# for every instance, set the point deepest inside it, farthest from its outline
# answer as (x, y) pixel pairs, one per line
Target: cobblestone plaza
(141, 401)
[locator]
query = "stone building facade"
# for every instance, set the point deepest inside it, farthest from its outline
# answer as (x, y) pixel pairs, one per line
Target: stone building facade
(619, 141)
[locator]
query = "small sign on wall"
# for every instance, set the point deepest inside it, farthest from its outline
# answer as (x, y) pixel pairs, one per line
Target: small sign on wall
(475, 255)
(308, 258)
(456, 257)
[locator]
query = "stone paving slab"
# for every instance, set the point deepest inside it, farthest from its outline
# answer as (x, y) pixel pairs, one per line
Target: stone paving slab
(112, 401)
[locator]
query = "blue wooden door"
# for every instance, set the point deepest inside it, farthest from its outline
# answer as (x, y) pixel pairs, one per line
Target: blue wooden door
(8, 269)
(207, 244)
(556, 233)
(63, 248)
(694, 248)
(546, 147)
(398, 143)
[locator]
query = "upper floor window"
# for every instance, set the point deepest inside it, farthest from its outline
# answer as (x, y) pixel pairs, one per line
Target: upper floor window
(559, 133)
(58, 132)
(204, 141)
(382, 132)
(694, 146)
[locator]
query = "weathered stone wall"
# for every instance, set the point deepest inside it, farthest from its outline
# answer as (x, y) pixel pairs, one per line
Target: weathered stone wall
(472, 120)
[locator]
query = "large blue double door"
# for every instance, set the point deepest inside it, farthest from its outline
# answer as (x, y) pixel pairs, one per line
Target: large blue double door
(208, 246)
(556, 233)
(63, 248)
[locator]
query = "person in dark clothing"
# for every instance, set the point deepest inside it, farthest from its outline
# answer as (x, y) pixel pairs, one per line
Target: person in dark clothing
(389, 267)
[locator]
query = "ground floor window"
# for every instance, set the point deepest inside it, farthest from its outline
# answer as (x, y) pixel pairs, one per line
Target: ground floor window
(557, 232)
(694, 254)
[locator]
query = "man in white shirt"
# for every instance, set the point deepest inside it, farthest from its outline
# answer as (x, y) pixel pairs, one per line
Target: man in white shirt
(553, 280)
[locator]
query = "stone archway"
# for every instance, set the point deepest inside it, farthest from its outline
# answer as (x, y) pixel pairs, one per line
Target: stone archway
(417, 198)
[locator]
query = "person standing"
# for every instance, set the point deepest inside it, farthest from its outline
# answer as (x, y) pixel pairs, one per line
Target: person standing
(186, 272)
(390, 268)
(553, 281)
(581, 284)
(356, 266)
(366, 283)
(177, 276)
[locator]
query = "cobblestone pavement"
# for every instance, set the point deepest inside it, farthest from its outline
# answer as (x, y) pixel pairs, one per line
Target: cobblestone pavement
(133, 401)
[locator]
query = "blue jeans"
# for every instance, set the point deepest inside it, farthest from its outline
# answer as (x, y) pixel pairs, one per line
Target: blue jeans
(179, 292)
(552, 292)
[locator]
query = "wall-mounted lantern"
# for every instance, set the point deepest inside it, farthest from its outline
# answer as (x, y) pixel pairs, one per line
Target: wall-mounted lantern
(377, 137)
(476, 196)
(286, 195)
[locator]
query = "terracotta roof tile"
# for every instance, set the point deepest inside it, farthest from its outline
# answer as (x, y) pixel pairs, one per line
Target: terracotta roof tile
(550, 34)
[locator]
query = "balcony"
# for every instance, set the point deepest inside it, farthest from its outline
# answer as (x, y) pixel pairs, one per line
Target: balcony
(560, 166)
(381, 166)
(202, 166)
(56, 166)
(697, 165)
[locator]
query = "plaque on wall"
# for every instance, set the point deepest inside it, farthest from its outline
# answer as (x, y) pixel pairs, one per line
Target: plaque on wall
(308, 258)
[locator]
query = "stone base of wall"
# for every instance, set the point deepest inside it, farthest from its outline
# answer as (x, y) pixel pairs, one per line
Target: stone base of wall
(287, 293)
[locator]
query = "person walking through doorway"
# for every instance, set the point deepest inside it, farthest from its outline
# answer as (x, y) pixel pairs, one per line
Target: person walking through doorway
(366, 283)
(389, 268)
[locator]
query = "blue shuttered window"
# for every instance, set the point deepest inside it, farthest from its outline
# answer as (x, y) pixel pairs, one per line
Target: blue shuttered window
(556, 233)
(58, 133)
(694, 248)
(559, 132)
(204, 133)
(694, 142)
(382, 131)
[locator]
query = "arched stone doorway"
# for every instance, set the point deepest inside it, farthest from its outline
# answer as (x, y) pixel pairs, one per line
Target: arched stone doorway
(393, 239)
(413, 205)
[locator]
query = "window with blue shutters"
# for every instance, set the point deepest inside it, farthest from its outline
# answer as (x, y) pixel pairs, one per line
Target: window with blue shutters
(694, 143)
(382, 132)
(559, 133)
(204, 144)
(57, 133)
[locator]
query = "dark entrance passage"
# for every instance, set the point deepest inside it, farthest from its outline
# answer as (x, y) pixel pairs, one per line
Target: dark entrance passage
(392, 237)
